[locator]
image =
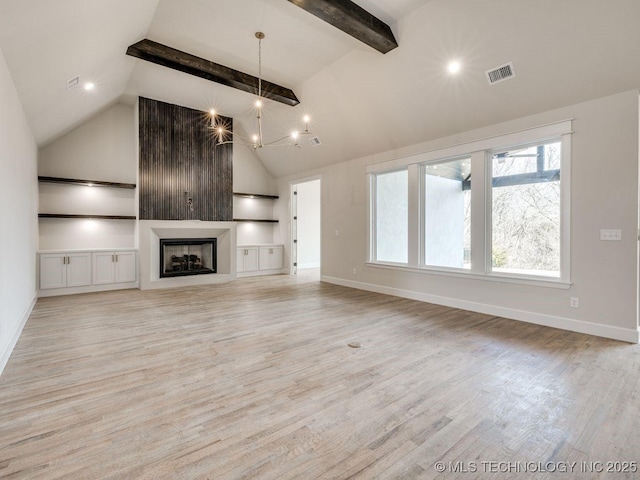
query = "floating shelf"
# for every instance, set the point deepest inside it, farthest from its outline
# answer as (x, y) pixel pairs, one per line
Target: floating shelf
(88, 183)
(256, 195)
(254, 220)
(96, 217)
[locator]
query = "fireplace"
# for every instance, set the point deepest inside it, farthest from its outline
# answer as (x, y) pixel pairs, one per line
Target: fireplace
(180, 257)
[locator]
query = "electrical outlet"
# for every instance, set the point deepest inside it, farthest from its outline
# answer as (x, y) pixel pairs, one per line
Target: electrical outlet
(337, 233)
(574, 302)
(611, 235)
(355, 271)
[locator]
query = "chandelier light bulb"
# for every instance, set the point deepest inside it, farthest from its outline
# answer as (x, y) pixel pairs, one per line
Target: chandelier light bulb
(257, 140)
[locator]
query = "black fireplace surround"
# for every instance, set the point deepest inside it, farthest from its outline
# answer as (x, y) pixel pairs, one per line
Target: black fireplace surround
(180, 257)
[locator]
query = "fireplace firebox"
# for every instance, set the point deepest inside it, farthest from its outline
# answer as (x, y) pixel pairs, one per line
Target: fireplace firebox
(180, 257)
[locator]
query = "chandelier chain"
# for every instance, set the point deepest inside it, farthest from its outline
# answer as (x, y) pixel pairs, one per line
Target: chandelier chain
(259, 67)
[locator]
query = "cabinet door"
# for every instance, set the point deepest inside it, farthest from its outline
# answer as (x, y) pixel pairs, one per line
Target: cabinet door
(125, 267)
(265, 258)
(240, 260)
(277, 258)
(270, 258)
(53, 271)
(78, 269)
(103, 268)
(251, 259)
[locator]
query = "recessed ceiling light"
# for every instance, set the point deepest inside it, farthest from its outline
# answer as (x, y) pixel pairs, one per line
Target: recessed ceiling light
(89, 86)
(454, 67)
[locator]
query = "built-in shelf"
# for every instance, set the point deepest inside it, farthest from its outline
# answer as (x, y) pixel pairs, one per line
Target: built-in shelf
(88, 183)
(254, 220)
(256, 195)
(97, 217)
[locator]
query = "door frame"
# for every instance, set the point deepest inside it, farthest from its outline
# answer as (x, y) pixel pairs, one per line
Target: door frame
(293, 246)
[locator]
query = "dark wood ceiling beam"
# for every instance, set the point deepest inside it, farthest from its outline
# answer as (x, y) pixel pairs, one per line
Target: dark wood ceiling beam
(185, 62)
(352, 19)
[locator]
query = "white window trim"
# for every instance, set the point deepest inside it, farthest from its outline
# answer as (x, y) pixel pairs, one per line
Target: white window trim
(372, 215)
(512, 139)
(565, 196)
(480, 205)
(459, 273)
(422, 263)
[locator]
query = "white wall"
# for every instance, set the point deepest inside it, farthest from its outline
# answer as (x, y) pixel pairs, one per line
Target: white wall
(18, 215)
(604, 195)
(102, 148)
(250, 176)
(309, 224)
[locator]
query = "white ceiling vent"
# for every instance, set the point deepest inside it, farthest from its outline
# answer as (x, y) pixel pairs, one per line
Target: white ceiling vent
(315, 141)
(501, 73)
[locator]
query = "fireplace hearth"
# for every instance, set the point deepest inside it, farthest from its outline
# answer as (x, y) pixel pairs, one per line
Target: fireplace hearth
(181, 257)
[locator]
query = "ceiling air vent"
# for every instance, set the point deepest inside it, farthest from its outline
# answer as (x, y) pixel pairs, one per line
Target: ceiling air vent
(73, 83)
(501, 73)
(315, 141)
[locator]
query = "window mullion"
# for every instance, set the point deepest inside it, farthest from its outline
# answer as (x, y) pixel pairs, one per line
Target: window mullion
(414, 216)
(480, 214)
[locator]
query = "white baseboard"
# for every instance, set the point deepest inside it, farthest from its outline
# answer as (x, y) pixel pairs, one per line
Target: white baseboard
(56, 292)
(259, 273)
(607, 331)
(8, 349)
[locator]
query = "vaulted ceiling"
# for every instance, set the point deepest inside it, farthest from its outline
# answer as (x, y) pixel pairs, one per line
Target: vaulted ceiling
(361, 101)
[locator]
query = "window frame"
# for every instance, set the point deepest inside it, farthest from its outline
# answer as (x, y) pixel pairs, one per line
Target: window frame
(422, 223)
(565, 162)
(480, 152)
(373, 216)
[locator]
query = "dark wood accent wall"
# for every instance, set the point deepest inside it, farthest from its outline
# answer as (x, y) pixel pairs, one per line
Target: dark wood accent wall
(178, 154)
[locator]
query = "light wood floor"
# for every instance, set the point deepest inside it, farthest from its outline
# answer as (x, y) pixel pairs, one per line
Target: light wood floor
(254, 379)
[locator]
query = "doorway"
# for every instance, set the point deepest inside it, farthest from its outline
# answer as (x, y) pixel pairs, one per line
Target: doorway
(306, 227)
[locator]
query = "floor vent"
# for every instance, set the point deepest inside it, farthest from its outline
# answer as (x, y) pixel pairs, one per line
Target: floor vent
(315, 141)
(501, 73)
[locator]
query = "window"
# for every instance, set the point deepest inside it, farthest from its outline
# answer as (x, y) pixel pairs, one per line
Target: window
(496, 208)
(447, 213)
(391, 216)
(525, 210)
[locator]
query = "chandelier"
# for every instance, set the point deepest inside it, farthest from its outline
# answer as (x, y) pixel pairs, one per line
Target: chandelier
(256, 141)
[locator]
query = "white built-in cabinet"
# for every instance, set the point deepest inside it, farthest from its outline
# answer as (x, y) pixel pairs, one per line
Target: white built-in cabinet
(62, 273)
(114, 267)
(62, 270)
(259, 259)
(271, 258)
(247, 259)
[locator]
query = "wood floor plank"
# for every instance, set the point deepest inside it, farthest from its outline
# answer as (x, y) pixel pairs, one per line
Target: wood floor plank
(255, 379)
